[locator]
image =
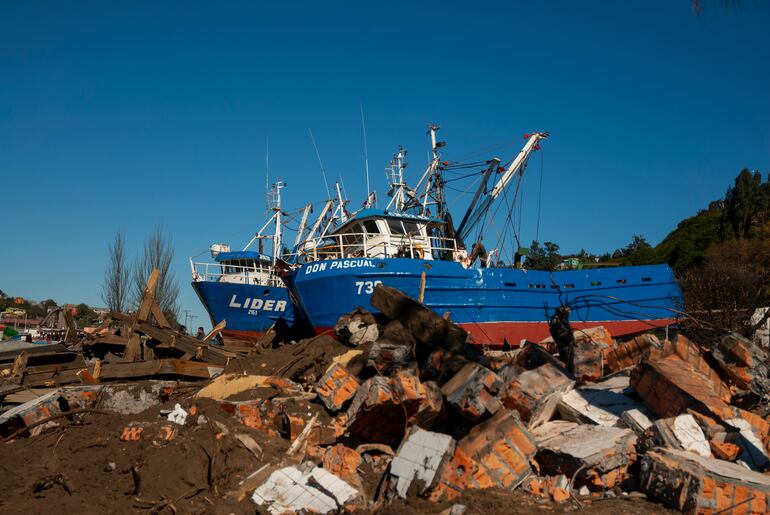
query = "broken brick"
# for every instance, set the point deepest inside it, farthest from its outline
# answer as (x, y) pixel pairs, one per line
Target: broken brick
(599, 455)
(694, 484)
(336, 387)
(690, 352)
(474, 391)
(495, 453)
(630, 353)
(724, 450)
(341, 461)
(670, 386)
(745, 363)
(382, 407)
(534, 393)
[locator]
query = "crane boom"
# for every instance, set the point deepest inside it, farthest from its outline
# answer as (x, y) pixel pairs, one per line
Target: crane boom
(517, 166)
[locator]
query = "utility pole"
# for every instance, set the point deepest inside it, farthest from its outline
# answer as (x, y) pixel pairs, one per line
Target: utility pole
(188, 318)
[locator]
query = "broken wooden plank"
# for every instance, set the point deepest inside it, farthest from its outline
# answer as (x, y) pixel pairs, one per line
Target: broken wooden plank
(19, 366)
(221, 325)
(148, 296)
(114, 371)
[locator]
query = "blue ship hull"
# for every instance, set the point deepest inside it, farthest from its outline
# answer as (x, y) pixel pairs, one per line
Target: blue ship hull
(495, 305)
(248, 309)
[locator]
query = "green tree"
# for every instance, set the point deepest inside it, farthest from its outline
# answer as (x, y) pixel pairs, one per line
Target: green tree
(543, 258)
(743, 204)
(85, 315)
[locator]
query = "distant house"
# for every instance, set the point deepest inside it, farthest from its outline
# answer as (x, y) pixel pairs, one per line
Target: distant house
(570, 263)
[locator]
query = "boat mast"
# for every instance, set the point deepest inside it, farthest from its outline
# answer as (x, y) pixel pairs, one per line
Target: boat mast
(396, 179)
(343, 216)
(435, 184)
(277, 208)
(303, 224)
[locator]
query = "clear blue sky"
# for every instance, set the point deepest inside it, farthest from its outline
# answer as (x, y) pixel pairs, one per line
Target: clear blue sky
(129, 115)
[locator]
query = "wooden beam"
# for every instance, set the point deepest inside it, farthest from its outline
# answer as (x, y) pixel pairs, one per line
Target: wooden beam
(116, 371)
(133, 348)
(71, 335)
(158, 315)
(148, 297)
(221, 325)
(421, 293)
(183, 342)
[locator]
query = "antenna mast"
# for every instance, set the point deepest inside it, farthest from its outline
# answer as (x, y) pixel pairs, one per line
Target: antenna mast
(366, 159)
(267, 174)
(323, 173)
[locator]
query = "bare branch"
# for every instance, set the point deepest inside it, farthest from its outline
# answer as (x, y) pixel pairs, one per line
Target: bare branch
(158, 252)
(117, 275)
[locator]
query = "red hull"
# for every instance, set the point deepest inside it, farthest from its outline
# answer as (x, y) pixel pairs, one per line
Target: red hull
(252, 336)
(495, 333)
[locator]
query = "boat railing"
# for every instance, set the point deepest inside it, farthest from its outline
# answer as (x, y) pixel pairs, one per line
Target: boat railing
(261, 275)
(356, 245)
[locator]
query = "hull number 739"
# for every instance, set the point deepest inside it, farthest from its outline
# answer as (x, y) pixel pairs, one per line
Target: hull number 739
(367, 287)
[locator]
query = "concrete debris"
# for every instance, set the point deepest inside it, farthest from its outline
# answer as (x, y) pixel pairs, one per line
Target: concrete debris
(746, 364)
(682, 432)
(495, 453)
(304, 488)
(383, 406)
(535, 393)
(419, 458)
(386, 357)
(357, 328)
(587, 359)
(599, 456)
(630, 353)
(606, 403)
(753, 450)
(695, 484)
(690, 352)
(474, 391)
(671, 386)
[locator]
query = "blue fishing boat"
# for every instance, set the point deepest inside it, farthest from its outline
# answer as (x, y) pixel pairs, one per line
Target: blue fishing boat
(241, 288)
(423, 255)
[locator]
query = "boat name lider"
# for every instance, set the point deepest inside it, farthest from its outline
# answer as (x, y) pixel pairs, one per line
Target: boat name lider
(347, 263)
(255, 304)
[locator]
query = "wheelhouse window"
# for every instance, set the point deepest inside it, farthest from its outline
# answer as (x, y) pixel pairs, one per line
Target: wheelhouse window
(371, 227)
(412, 228)
(396, 227)
(354, 232)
